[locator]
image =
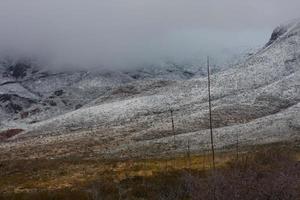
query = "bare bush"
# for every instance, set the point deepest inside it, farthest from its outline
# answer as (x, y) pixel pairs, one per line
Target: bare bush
(267, 175)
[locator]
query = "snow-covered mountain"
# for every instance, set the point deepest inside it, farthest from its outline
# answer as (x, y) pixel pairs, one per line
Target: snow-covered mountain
(256, 100)
(30, 93)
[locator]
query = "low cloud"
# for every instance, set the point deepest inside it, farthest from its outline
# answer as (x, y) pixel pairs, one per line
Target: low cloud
(126, 33)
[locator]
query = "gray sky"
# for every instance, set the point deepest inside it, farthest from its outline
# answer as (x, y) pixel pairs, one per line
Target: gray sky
(116, 33)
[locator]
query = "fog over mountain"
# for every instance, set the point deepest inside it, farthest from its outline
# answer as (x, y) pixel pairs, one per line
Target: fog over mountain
(128, 114)
(112, 34)
(149, 99)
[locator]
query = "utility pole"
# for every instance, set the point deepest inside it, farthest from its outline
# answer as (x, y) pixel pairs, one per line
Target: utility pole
(210, 115)
(237, 146)
(189, 154)
(173, 126)
(211, 130)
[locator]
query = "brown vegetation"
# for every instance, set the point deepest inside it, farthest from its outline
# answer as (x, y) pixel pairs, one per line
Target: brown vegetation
(265, 173)
(9, 133)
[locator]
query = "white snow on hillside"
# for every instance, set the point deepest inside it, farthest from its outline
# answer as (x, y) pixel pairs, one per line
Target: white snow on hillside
(258, 99)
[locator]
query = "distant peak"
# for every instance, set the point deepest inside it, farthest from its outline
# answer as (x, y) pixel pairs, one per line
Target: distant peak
(283, 29)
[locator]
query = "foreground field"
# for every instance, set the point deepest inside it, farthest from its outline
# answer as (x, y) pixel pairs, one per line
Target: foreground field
(261, 172)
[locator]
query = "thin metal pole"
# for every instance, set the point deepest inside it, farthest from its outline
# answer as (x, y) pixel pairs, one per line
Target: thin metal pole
(173, 126)
(174, 135)
(210, 116)
(189, 154)
(237, 146)
(211, 130)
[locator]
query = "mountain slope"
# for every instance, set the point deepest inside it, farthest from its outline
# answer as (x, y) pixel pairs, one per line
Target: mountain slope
(258, 100)
(43, 93)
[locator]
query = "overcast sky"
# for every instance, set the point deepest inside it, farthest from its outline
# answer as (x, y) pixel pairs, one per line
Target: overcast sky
(116, 33)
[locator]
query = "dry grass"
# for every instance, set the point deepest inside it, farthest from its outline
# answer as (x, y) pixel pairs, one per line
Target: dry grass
(144, 179)
(28, 175)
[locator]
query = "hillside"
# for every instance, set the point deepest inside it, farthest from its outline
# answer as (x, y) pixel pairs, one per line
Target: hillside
(256, 101)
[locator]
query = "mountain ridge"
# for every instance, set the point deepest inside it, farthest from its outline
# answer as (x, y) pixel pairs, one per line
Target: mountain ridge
(257, 100)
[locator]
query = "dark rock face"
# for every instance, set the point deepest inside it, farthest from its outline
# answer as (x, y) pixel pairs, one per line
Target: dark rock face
(19, 70)
(52, 103)
(5, 97)
(188, 75)
(135, 76)
(78, 106)
(24, 115)
(13, 103)
(279, 31)
(28, 113)
(59, 92)
(13, 108)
